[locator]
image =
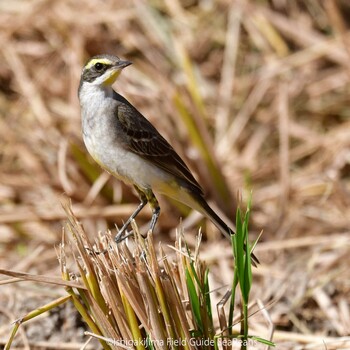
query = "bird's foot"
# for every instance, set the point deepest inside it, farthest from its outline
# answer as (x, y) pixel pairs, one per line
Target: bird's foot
(120, 237)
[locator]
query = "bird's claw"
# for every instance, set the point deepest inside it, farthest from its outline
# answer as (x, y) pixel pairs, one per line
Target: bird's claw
(120, 238)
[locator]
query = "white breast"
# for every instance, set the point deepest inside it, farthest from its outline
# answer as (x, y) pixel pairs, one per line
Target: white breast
(103, 146)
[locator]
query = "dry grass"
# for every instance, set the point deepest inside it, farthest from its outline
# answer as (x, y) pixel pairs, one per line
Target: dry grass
(266, 86)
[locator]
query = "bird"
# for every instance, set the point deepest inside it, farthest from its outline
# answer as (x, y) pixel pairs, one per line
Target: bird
(124, 143)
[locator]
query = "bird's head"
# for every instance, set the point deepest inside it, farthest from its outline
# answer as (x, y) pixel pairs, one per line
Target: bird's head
(103, 70)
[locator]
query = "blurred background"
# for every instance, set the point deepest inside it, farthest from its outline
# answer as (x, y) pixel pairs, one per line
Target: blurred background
(254, 95)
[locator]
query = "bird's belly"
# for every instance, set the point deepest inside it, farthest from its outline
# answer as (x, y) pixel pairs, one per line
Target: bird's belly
(123, 164)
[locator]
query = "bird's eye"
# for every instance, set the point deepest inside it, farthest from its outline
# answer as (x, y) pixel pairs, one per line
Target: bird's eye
(98, 66)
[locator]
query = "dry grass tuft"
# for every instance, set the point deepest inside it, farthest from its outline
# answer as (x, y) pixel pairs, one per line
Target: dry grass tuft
(254, 95)
(130, 298)
(144, 296)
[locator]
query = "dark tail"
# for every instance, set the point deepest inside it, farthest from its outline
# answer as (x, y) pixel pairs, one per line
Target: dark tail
(221, 225)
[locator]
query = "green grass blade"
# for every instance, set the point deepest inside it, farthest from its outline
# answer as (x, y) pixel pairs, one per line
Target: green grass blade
(194, 300)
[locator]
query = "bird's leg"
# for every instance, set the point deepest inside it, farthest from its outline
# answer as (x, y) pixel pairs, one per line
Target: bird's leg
(146, 196)
(152, 200)
(118, 238)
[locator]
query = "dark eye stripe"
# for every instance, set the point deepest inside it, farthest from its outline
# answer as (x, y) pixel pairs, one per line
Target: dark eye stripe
(95, 71)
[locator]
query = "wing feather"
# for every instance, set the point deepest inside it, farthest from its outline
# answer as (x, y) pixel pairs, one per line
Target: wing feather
(144, 140)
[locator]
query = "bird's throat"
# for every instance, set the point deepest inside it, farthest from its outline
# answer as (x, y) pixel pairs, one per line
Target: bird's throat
(112, 78)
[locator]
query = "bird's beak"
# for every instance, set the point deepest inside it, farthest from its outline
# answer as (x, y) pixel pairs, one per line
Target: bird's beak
(117, 69)
(122, 64)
